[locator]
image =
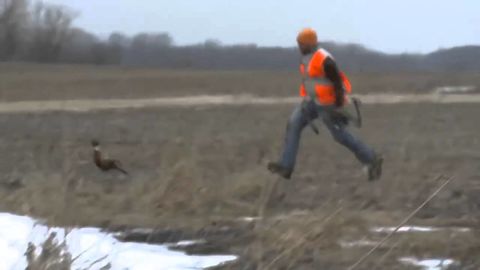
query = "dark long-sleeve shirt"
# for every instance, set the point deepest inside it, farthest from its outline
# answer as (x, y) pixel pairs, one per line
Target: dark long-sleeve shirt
(333, 74)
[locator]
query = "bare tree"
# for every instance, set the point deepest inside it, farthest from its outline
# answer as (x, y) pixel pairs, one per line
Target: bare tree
(13, 23)
(119, 40)
(144, 41)
(117, 45)
(78, 47)
(44, 33)
(212, 44)
(51, 28)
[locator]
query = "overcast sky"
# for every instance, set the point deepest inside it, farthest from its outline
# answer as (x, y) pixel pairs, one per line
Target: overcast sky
(389, 26)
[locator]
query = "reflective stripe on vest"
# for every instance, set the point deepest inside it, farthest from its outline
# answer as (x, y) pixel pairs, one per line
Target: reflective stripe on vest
(322, 80)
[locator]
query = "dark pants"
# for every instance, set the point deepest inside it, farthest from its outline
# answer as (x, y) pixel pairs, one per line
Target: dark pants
(299, 119)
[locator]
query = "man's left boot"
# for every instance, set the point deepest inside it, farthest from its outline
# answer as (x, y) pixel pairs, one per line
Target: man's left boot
(277, 168)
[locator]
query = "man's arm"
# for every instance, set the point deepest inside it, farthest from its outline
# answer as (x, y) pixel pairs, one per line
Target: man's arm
(333, 74)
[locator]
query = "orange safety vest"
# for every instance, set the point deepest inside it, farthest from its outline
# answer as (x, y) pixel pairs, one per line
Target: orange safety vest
(312, 71)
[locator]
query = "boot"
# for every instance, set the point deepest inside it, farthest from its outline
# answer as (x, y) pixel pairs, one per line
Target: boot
(277, 168)
(375, 168)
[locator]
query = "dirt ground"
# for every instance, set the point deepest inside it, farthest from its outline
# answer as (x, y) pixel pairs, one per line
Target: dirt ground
(195, 171)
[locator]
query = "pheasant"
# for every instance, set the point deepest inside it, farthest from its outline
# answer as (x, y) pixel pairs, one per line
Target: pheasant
(105, 164)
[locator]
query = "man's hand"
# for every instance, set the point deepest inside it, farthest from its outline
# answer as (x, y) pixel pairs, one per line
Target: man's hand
(339, 116)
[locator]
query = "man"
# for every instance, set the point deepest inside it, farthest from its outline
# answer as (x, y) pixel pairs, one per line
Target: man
(324, 91)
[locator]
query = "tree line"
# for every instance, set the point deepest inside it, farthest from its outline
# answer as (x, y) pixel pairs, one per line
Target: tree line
(44, 33)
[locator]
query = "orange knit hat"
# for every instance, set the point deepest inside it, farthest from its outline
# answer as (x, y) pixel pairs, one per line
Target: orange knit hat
(307, 36)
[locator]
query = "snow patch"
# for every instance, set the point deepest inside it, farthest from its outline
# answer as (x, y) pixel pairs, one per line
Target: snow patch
(455, 89)
(91, 244)
(249, 219)
(428, 264)
(419, 229)
(188, 243)
(358, 243)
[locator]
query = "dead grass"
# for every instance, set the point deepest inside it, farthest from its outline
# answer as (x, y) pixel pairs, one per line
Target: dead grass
(59, 82)
(53, 256)
(194, 167)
